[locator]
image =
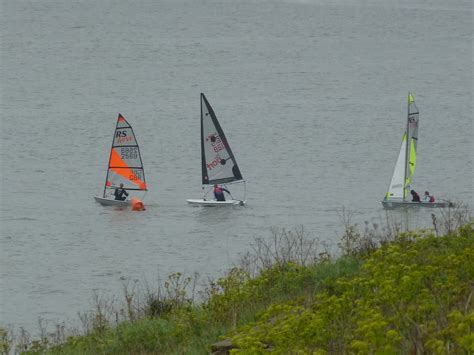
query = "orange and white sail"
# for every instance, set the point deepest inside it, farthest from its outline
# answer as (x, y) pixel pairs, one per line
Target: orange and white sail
(125, 162)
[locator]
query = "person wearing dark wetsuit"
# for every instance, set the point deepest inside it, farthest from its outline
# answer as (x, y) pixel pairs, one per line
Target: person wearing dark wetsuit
(120, 193)
(219, 192)
(416, 197)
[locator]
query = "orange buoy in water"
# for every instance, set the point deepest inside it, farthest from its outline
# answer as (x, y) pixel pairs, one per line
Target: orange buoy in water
(137, 205)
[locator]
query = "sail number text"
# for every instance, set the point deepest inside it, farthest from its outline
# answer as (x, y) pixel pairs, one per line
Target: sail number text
(129, 153)
(136, 175)
(216, 142)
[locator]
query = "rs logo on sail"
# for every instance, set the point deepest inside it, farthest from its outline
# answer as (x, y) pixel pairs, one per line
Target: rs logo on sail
(121, 137)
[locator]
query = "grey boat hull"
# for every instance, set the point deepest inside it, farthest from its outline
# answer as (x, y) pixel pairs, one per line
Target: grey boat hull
(214, 203)
(109, 202)
(409, 204)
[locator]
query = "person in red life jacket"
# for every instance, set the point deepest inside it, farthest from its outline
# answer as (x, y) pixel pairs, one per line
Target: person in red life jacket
(428, 197)
(416, 197)
(120, 193)
(219, 192)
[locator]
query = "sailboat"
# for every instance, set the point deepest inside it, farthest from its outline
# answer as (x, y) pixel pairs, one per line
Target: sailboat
(217, 160)
(402, 178)
(125, 166)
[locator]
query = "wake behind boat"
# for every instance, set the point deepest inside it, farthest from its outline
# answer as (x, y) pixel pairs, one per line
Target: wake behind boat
(218, 164)
(402, 178)
(125, 174)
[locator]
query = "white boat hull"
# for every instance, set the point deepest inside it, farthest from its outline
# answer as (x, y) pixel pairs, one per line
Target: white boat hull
(109, 202)
(409, 204)
(214, 203)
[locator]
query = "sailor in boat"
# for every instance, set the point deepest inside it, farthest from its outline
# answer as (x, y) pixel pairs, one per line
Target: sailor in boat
(219, 192)
(120, 193)
(428, 198)
(416, 197)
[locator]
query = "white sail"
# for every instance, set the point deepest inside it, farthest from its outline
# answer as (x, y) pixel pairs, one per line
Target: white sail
(396, 187)
(218, 161)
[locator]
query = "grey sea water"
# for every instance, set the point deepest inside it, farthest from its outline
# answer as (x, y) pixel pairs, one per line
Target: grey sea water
(312, 95)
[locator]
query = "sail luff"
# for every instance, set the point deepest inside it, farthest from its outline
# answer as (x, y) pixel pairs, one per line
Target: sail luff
(412, 138)
(110, 156)
(406, 149)
(218, 161)
(205, 177)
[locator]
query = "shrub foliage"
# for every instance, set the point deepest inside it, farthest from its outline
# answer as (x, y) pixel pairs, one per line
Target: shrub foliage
(411, 292)
(413, 295)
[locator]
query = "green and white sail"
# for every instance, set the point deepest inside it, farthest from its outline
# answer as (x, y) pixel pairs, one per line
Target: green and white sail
(404, 171)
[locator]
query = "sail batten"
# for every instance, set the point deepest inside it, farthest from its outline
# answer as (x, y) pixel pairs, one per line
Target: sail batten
(217, 160)
(125, 162)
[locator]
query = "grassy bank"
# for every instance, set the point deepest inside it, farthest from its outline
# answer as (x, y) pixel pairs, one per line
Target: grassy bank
(388, 292)
(413, 295)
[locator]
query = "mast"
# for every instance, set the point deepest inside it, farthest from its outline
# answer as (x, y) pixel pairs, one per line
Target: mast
(407, 158)
(110, 156)
(205, 177)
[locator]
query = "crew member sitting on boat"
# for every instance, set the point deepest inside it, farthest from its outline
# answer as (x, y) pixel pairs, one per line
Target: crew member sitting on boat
(416, 197)
(428, 198)
(120, 193)
(219, 192)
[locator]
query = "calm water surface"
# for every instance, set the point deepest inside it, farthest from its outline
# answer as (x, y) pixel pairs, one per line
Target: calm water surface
(311, 94)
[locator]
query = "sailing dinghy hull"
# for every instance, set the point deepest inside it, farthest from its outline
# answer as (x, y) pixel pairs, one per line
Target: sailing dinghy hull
(214, 203)
(408, 204)
(109, 202)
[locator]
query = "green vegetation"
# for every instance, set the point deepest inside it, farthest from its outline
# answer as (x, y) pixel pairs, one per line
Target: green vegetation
(5, 341)
(388, 293)
(413, 295)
